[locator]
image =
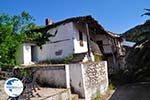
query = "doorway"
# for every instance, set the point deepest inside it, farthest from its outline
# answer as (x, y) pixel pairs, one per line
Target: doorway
(34, 54)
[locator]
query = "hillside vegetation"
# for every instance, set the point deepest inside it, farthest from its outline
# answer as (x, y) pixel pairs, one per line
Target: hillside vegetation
(138, 33)
(137, 59)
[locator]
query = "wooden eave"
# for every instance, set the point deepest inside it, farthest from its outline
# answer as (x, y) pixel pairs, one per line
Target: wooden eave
(93, 25)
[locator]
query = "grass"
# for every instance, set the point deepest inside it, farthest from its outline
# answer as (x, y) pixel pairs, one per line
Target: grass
(66, 60)
(103, 96)
(111, 86)
(97, 57)
(98, 96)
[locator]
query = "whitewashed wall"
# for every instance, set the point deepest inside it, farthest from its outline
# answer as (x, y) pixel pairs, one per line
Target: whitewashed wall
(26, 54)
(55, 50)
(77, 47)
(88, 79)
(76, 79)
(60, 46)
(53, 75)
(64, 43)
(64, 31)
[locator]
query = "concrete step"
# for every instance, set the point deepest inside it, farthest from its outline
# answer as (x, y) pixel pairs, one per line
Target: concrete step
(74, 97)
(52, 94)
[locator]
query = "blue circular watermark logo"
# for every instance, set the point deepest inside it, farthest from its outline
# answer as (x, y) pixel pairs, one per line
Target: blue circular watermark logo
(13, 87)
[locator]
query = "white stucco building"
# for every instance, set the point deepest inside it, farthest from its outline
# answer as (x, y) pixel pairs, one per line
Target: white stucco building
(80, 35)
(67, 40)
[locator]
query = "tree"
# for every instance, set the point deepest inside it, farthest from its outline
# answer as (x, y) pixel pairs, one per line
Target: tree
(12, 34)
(137, 59)
(147, 12)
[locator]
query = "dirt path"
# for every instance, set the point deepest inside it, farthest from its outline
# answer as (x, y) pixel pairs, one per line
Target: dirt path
(138, 91)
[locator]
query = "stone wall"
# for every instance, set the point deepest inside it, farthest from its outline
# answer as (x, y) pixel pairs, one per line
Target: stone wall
(95, 78)
(88, 79)
(85, 79)
(94, 74)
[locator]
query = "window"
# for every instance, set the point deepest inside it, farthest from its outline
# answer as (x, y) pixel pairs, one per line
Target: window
(81, 38)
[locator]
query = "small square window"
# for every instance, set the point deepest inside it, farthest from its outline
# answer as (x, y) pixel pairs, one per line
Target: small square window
(81, 38)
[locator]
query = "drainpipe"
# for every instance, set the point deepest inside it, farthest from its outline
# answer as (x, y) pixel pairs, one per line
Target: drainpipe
(88, 40)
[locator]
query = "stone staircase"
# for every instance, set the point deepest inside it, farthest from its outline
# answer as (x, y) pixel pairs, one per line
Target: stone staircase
(56, 94)
(45, 94)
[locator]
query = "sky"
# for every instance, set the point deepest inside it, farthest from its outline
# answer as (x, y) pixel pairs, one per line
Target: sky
(116, 16)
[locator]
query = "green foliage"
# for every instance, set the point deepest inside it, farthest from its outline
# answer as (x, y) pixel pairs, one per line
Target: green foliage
(138, 33)
(139, 66)
(24, 72)
(137, 59)
(111, 86)
(118, 78)
(97, 57)
(98, 96)
(147, 13)
(12, 34)
(66, 60)
(38, 37)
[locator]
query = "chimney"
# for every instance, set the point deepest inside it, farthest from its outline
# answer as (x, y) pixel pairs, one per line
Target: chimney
(48, 21)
